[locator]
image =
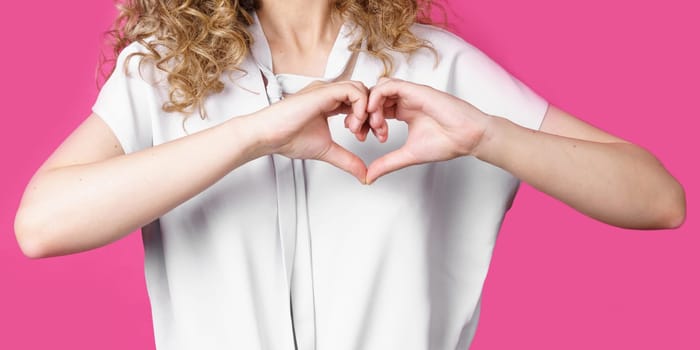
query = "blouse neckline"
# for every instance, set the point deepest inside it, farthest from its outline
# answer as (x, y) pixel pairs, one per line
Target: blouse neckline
(338, 58)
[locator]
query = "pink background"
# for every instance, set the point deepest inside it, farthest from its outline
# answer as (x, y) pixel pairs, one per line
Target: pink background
(558, 279)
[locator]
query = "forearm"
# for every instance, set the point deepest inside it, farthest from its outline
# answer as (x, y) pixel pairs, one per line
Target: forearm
(617, 183)
(80, 207)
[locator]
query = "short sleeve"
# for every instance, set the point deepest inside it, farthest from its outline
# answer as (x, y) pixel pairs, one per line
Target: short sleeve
(126, 103)
(476, 78)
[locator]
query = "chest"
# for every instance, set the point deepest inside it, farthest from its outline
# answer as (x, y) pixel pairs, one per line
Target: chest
(306, 64)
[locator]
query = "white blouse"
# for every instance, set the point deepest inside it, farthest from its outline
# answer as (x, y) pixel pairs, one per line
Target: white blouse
(296, 254)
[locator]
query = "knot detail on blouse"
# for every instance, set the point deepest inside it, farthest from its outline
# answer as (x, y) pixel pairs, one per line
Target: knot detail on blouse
(292, 209)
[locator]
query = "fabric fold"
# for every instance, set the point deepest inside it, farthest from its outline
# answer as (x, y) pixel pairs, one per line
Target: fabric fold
(292, 207)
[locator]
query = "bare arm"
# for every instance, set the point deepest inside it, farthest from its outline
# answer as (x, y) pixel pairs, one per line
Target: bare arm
(89, 193)
(594, 172)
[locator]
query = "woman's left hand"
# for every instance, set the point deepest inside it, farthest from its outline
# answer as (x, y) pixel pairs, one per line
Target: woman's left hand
(596, 173)
(440, 126)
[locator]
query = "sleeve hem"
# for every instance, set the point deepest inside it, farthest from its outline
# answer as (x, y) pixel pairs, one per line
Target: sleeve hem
(123, 142)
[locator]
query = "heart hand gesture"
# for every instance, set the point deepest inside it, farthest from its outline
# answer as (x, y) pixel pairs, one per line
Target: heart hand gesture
(297, 127)
(440, 126)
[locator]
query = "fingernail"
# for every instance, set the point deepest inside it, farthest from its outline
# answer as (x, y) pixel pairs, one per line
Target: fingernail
(355, 125)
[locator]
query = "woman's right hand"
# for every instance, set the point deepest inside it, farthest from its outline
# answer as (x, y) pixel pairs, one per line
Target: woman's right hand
(297, 127)
(90, 193)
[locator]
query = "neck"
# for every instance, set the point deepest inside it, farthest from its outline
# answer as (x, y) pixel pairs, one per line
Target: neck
(300, 24)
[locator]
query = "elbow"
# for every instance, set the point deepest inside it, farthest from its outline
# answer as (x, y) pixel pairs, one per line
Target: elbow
(672, 211)
(32, 249)
(677, 217)
(31, 237)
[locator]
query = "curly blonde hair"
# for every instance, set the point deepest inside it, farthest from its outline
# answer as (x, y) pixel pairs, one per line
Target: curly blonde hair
(196, 41)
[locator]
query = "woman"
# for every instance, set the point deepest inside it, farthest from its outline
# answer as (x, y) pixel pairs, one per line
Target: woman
(223, 139)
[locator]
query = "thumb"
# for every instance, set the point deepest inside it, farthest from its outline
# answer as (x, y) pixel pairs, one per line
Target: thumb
(390, 162)
(345, 160)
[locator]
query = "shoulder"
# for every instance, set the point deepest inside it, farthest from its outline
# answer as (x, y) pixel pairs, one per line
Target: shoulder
(134, 61)
(446, 43)
(435, 33)
(447, 57)
(134, 51)
(467, 72)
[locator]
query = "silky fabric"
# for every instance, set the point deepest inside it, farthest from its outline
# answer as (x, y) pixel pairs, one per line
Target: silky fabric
(290, 254)
(292, 208)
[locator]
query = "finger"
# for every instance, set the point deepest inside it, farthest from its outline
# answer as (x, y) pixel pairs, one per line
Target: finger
(357, 98)
(345, 160)
(390, 162)
(373, 103)
(377, 118)
(392, 91)
(338, 97)
(362, 135)
(389, 109)
(379, 94)
(389, 103)
(342, 109)
(377, 114)
(380, 137)
(379, 127)
(390, 113)
(364, 130)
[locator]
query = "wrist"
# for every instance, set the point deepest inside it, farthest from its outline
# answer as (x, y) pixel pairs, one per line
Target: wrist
(250, 132)
(488, 143)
